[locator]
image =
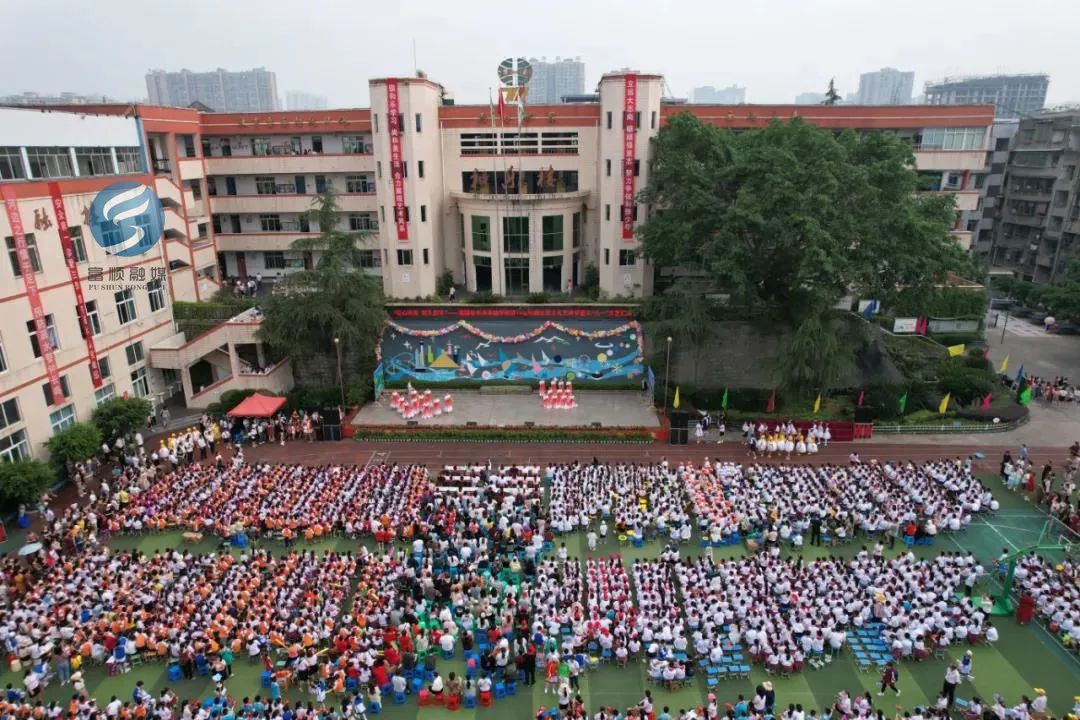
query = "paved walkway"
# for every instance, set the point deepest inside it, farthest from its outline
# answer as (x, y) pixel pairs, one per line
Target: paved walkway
(1050, 425)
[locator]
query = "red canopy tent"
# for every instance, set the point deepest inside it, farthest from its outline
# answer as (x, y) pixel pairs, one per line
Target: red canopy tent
(257, 405)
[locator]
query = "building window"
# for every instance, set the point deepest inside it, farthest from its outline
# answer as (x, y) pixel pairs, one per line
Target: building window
(607, 212)
(419, 123)
(481, 233)
(265, 185)
(517, 275)
(652, 120)
(404, 257)
(420, 168)
(378, 169)
(552, 226)
(94, 161)
(352, 144)
(49, 162)
(626, 258)
(31, 248)
(15, 446)
(425, 255)
(382, 213)
(607, 167)
(609, 120)
(93, 318)
(11, 165)
(320, 184)
(607, 256)
(155, 289)
(369, 259)
(577, 229)
(637, 168)
(637, 120)
(9, 413)
(50, 328)
(129, 160)
(65, 390)
(104, 367)
(274, 260)
(953, 139)
(516, 234)
(3, 358)
(134, 353)
(423, 213)
(78, 246)
(62, 418)
(125, 306)
(140, 382)
(270, 223)
(103, 393)
(358, 184)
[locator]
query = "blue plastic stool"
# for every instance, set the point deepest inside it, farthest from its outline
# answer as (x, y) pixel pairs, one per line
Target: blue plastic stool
(500, 690)
(399, 698)
(175, 674)
(511, 687)
(470, 701)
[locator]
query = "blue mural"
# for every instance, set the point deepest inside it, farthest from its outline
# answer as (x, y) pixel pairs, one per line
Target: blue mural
(524, 349)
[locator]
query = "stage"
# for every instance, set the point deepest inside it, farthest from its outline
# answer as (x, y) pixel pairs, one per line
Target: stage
(610, 408)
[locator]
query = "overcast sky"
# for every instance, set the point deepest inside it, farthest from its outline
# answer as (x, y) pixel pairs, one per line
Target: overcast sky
(775, 48)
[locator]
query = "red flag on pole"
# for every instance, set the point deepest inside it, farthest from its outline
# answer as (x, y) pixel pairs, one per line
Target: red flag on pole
(862, 396)
(501, 107)
(986, 401)
(771, 407)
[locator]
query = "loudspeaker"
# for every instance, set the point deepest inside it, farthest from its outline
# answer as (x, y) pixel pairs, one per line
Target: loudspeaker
(865, 414)
(331, 416)
(678, 436)
(331, 432)
(679, 419)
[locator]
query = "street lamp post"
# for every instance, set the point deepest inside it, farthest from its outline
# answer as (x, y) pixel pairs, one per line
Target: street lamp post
(667, 372)
(341, 384)
(1004, 325)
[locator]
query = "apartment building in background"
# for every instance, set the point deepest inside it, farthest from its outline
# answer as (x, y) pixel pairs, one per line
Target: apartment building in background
(64, 98)
(220, 90)
(731, 95)
(887, 86)
(430, 187)
(298, 100)
(810, 98)
(1037, 229)
(1013, 96)
(991, 183)
(552, 81)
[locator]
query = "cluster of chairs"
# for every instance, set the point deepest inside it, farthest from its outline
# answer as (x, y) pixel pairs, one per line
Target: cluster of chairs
(734, 666)
(869, 648)
(910, 540)
(733, 539)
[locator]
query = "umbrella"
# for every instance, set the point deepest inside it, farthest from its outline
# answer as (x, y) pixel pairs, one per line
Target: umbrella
(29, 549)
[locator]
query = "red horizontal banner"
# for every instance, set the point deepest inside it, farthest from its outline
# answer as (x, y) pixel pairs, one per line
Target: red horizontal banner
(510, 312)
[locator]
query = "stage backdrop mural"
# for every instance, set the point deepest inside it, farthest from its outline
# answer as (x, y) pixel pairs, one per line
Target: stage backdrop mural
(523, 344)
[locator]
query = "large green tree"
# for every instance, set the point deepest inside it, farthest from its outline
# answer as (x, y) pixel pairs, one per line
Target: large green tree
(791, 218)
(120, 415)
(75, 443)
(23, 481)
(1064, 297)
(334, 299)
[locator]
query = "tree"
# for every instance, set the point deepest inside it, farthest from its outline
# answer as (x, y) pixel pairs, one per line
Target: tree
(74, 444)
(118, 416)
(791, 218)
(335, 299)
(816, 356)
(831, 96)
(23, 481)
(1064, 297)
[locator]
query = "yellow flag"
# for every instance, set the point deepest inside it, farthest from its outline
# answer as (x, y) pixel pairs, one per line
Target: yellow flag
(1004, 365)
(675, 404)
(955, 350)
(944, 404)
(817, 404)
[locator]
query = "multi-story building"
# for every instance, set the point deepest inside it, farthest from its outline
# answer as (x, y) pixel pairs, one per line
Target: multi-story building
(64, 98)
(298, 100)
(220, 90)
(991, 182)
(432, 187)
(552, 81)
(1013, 96)
(887, 86)
(731, 95)
(810, 98)
(1037, 229)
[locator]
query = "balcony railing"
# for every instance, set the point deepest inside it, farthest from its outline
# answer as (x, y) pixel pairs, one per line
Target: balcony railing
(162, 167)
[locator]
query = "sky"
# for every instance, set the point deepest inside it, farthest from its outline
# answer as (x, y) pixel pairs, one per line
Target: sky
(775, 48)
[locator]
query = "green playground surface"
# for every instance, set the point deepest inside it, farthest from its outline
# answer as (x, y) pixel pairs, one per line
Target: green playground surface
(1025, 657)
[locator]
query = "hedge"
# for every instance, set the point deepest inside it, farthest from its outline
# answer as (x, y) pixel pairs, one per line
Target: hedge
(492, 434)
(211, 310)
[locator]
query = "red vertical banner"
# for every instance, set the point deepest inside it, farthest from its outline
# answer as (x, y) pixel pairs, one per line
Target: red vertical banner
(397, 173)
(26, 268)
(73, 272)
(629, 150)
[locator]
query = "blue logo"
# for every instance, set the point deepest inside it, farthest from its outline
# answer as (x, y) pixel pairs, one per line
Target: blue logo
(126, 219)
